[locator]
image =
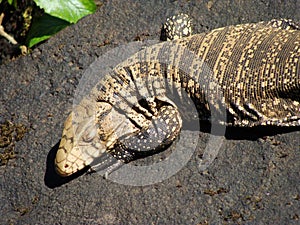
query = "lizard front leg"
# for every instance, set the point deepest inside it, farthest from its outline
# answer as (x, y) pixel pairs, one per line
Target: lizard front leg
(161, 132)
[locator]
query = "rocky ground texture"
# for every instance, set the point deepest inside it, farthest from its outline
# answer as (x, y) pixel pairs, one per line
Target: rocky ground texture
(254, 179)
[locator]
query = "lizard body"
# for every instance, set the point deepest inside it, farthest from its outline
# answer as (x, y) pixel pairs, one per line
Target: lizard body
(139, 107)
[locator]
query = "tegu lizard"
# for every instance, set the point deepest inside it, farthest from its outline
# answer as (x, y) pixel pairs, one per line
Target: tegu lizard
(252, 71)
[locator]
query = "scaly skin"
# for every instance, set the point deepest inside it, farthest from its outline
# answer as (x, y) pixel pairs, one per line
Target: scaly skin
(256, 68)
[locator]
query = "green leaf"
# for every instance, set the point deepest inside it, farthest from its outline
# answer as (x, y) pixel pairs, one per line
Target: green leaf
(43, 28)
(69, 10)
(12, 2)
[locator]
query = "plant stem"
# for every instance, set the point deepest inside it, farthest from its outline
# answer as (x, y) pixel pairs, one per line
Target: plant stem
(4, 34)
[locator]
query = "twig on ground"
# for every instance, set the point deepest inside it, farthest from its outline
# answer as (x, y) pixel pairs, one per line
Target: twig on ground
(4, 34)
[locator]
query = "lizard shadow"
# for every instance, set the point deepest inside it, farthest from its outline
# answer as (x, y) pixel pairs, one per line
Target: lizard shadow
(51, 178)
(246, 133)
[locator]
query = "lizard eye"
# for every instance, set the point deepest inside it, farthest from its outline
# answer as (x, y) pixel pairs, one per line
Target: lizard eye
(89, 134)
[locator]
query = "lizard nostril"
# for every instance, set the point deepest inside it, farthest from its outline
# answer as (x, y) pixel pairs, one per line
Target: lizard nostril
(66, 165)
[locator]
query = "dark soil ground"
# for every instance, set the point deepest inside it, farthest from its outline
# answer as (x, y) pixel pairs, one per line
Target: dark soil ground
(254, 179)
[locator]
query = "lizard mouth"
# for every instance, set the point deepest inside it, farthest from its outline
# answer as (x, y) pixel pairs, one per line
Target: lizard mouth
(65, 167)
(61, 172)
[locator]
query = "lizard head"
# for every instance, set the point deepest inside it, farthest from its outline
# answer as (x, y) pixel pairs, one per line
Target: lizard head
(87, 137)
(78, 147)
